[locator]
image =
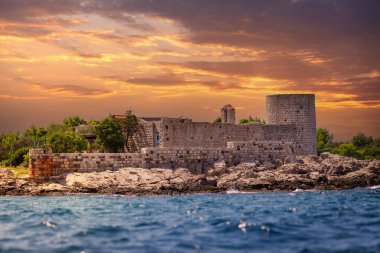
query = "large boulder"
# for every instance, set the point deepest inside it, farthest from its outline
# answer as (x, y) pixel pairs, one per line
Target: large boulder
(217, 169)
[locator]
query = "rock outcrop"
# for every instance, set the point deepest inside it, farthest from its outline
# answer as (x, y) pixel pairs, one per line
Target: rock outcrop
(327, 171)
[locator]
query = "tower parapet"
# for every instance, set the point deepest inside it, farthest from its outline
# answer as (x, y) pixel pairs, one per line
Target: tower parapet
(297, 109)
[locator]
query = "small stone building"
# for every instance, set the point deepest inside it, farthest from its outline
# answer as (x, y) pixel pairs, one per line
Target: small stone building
(228, 114)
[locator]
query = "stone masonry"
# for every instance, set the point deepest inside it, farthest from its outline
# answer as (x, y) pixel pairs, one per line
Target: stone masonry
(45, 163)
(298, 110)
(180, 142)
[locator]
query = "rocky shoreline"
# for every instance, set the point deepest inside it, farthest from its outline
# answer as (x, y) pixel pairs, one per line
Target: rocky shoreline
(325, 172)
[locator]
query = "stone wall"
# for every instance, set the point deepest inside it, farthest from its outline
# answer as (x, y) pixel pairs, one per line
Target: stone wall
(297, 109)
(185, 133)
(44, 163)
(279, 132)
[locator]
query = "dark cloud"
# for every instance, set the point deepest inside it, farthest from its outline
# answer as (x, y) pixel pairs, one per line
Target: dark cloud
(90, 56)
(365, 90)
(24, 10)
(289, 68)
(345, 33)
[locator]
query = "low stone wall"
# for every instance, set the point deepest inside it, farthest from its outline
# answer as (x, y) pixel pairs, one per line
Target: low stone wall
(44, 163)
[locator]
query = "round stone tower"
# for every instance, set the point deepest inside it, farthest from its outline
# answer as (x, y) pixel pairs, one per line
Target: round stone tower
(297, 109)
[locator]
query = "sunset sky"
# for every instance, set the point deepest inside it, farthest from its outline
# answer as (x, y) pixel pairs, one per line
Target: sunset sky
(188, 58)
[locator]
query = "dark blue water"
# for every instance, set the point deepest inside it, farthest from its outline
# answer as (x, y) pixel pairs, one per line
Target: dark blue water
(327, 221)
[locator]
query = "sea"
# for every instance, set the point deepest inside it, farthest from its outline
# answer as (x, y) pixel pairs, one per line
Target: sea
(299, 221)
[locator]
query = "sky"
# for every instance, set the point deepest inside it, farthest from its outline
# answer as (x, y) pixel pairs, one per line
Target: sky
(188, 58)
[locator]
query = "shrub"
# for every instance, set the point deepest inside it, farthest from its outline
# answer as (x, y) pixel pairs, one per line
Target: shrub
(18, 156)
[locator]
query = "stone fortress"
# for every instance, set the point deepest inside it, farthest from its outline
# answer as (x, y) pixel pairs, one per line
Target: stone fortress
(180, 142)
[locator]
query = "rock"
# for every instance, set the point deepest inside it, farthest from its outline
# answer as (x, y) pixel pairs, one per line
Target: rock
(217, 169)
(302, 172)
(5, 173)
(325, 155)
(294, 169)
(290, 159)
(374, 166)
(279, 163)
(269, 164)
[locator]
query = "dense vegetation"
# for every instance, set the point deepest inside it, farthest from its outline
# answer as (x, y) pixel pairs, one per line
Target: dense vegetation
(113, 135)
(360, 146)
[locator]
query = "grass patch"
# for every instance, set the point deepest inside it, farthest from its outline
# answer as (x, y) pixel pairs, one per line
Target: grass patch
(20, 172)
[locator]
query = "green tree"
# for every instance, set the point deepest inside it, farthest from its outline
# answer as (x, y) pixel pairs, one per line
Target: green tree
(250, 119)
(66, 141)
(361, 140)
(218, 120)
(130, 125)
(3, 152)
(72, 122)
(34, 137)
(18, 157)
(110, 135)
(324, 140)
(347, 149)
(11, 142)
(372, 150)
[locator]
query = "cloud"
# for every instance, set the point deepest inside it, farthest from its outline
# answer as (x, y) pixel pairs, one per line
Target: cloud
(17, 97)
(68, 90)
(342, 31)
(173, 80)
(289, 68)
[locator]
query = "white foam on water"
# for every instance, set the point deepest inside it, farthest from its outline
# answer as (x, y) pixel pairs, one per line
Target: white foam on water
(49, 224)
(232, 191)
(375, 187)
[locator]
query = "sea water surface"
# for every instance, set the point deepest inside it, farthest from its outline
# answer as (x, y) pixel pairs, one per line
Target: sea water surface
(319, 221)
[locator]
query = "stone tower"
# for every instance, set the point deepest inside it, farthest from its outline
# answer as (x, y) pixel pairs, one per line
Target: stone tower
(297, 109)
(228, 114)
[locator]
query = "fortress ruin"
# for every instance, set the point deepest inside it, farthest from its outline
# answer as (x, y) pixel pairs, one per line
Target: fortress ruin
(180, 142)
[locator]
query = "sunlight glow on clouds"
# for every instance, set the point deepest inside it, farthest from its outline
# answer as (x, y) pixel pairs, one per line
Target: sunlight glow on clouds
(150, 54)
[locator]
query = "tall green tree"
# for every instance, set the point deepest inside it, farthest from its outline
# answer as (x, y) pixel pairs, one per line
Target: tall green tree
(324, 140)
(110, 135)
